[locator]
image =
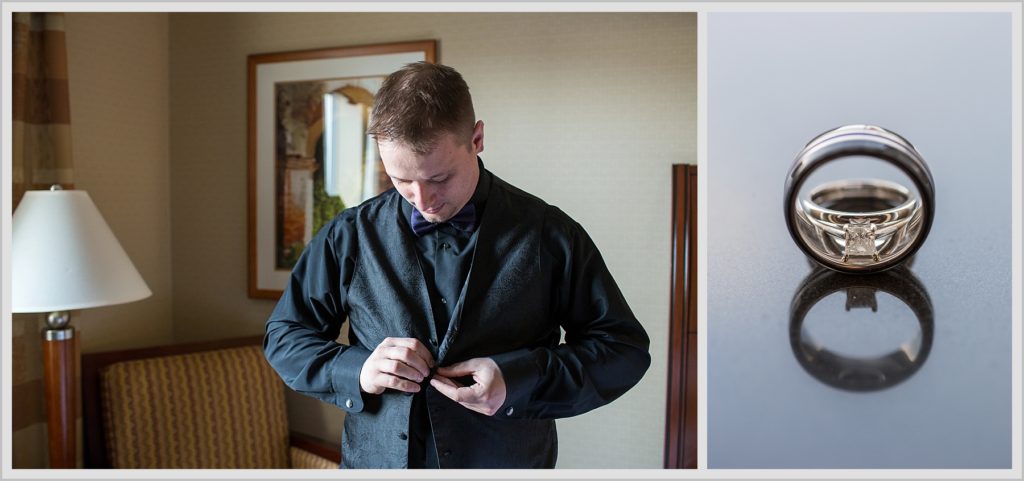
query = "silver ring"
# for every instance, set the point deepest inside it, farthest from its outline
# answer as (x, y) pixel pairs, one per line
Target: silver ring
(881, 216)
(860, 225)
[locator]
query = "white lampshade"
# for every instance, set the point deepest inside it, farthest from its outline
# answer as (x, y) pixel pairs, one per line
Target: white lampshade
(65, 257)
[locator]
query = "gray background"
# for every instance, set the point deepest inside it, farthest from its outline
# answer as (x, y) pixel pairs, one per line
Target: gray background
(943, 81)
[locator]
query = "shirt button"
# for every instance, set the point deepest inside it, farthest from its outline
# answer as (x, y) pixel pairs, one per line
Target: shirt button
(403, 436)
(349, 403)
(509, 411)
(445, 245)
(444, 301)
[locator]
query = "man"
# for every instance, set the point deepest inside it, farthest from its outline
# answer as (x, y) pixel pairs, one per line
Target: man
(455, 299)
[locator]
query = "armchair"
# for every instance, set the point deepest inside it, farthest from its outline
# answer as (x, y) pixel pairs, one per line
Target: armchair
(206, 405)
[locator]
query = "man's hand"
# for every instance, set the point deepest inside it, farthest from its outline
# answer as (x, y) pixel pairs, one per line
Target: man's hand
(485, 396)
(398, 363)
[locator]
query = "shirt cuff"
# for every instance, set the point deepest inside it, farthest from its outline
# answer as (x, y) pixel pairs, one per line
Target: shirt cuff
(520, 372)
(345, 378)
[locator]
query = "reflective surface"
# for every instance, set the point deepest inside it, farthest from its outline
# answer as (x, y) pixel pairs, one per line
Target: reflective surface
(865, 379)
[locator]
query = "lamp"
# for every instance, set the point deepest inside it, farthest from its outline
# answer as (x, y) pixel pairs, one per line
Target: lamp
(64, 257)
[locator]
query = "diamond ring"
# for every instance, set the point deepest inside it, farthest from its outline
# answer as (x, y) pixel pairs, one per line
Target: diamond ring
(860, 225)
(859, 221)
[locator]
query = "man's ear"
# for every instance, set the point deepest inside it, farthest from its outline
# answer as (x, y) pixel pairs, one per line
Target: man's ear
(478, 137)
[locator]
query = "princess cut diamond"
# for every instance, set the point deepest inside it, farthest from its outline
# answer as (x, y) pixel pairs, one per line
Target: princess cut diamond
(860, 239)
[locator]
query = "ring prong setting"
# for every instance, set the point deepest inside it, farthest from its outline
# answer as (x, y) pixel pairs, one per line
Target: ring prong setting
(860, 239)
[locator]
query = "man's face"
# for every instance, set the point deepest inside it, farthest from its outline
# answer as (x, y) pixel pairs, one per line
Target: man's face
(438, 183)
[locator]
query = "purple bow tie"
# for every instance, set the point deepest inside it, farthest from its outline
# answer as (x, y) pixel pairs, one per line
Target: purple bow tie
(464, 220)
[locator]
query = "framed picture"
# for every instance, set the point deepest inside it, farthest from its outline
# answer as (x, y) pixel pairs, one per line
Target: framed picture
(309, 154)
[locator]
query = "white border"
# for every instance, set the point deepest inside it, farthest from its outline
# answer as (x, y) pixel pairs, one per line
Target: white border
(6, 190)
(1018, 218)
(702, 239)
(702, 161)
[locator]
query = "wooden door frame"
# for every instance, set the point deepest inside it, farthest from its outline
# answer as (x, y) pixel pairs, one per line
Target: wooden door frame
(681, 415)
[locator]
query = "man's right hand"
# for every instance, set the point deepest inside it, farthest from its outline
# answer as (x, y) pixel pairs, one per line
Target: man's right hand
(399, 363)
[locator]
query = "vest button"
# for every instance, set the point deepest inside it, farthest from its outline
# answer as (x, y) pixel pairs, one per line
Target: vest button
(446, 453)
(509, 411)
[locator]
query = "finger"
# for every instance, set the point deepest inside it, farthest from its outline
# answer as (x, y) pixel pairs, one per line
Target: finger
(445, 386)
(413, 344)
(467, 397)
(409, 357)
(399, 369)
(398, 383)
(464, 368)
(448, 381)
(453, 391)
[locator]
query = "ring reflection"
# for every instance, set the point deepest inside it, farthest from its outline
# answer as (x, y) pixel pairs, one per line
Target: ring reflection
(854, 373)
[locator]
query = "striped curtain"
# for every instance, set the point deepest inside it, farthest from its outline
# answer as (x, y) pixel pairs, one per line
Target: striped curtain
(42, 115)
(42, 156)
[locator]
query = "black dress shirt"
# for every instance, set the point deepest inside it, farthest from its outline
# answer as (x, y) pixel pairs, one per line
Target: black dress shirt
(445, 255)
(534, 274)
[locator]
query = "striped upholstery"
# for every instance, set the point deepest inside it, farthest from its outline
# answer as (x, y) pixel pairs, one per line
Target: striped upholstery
(302, 459)
(214, 409)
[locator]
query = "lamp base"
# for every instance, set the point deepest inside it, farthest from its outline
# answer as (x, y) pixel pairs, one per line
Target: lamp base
(60, 367)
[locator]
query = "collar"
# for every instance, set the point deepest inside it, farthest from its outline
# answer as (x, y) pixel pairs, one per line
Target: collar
(479, 198)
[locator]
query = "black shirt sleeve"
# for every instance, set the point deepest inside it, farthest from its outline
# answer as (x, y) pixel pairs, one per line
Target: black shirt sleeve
(605, 352)
(300, 333)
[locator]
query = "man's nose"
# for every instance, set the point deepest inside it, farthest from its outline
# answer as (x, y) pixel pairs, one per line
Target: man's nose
(423, 194)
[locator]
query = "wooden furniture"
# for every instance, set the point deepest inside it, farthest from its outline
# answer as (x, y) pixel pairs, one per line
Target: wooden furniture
(204, 405)
(681, 416)
(60, 355)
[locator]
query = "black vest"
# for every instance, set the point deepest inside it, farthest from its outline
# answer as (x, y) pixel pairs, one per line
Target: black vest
(505, 307)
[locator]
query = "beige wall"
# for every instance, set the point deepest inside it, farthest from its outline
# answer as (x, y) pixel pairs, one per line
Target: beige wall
(588, 111)
(118, 86)
(120, 130)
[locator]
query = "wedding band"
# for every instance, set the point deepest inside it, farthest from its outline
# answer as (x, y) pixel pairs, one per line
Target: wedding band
(860, 225)
(855, 373)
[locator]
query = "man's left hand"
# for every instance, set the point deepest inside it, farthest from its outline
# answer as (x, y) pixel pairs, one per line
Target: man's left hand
(484, 396)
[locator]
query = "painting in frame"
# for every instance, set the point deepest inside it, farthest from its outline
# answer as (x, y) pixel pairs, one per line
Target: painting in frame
(309, 154)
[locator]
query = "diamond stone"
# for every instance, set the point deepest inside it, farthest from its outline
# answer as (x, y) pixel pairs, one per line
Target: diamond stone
(860, 239)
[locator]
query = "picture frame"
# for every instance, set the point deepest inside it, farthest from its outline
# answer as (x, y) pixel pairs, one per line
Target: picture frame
(305, 166)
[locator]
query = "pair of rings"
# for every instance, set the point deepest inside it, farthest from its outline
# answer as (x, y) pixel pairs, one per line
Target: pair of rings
(860, 225)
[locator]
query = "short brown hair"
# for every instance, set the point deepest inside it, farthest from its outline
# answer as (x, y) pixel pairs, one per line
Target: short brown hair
(419, 103)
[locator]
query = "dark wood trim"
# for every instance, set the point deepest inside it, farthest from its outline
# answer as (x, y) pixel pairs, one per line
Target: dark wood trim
(681, 415)
(429, 47)
(324, 449)
(250, 103)
(689, 427)
(95, 455)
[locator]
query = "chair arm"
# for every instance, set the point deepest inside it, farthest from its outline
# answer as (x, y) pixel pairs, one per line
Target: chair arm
(308, 452)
